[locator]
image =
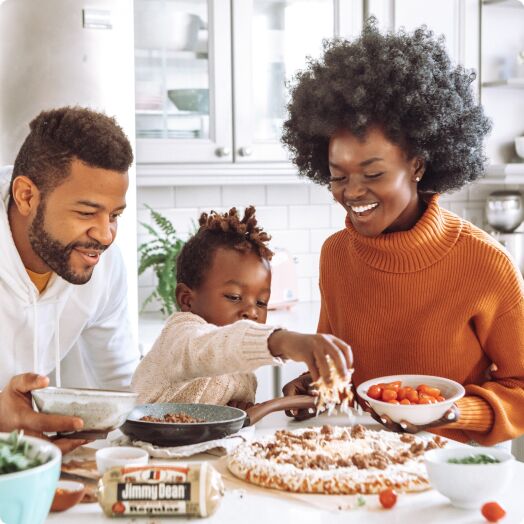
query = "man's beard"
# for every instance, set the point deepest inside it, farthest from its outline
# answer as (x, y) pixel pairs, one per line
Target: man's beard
(55, 254)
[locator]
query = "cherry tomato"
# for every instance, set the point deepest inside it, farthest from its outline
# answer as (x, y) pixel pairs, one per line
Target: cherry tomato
(375, 392)
(432, 392)
(424, 401)
(393, 401)
(389, 394)
(406, 402)
(492, 512)
(401, 393)
(441, 398)
(388, 498)
(412, 396)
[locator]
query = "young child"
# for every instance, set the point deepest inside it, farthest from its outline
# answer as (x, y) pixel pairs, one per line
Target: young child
(206, 353)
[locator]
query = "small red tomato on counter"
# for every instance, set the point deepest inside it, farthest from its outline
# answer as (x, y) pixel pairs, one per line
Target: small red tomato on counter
(388, 498)
(492, 512)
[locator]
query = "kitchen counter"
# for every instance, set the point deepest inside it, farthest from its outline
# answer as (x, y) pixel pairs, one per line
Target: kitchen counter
(256, 505)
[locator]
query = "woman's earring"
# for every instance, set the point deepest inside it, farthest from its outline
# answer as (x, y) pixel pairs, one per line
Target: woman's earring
(417, 179)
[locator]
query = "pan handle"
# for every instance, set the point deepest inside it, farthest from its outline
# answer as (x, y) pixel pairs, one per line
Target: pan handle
(259, 411)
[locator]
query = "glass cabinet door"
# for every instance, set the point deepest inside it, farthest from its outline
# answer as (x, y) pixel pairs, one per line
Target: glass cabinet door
(271, 39)
(182, 68)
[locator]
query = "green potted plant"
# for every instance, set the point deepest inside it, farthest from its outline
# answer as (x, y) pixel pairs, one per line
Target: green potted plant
(160, 253)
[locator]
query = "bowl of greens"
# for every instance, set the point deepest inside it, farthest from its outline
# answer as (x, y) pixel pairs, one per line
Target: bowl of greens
(29, 471)
(469, 476)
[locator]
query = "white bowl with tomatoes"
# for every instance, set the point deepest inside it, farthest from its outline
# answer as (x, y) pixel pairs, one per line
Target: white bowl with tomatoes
(417, 399)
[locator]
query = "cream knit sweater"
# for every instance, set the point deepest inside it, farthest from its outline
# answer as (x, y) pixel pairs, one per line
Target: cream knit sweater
(194, 361)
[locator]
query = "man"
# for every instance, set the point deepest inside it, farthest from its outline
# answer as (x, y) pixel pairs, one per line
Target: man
(63, 311)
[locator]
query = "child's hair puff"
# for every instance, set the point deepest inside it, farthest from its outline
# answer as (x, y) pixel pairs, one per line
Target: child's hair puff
(220, 230)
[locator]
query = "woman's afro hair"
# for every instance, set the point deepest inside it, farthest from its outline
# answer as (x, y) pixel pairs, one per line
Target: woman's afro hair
(217, 230)
(403, 83)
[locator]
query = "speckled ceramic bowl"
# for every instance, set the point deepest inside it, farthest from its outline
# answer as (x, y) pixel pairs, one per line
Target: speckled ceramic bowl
(220, 421)
(101, 410)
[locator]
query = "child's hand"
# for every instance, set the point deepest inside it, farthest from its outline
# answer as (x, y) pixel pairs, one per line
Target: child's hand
(313, 350)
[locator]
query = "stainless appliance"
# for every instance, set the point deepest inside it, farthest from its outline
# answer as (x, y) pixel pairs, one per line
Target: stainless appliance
(505, 213)
(505, 210)
(70, 52)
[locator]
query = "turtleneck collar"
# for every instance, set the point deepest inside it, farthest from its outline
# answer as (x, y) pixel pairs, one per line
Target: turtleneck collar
(428, 241)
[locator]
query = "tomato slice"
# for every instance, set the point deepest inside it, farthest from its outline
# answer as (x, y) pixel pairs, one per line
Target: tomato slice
(492, 512)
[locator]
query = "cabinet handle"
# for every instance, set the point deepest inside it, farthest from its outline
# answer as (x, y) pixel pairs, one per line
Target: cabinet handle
(245, 151)
(222, 151)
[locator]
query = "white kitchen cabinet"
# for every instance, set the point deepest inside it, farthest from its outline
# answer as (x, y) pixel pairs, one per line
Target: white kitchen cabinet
(211, 82)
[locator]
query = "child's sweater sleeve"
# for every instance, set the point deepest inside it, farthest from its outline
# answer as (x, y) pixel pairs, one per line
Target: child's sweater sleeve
(189, 347)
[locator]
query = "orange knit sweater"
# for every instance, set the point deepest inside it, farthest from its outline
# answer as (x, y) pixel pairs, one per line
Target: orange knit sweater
(440, 299)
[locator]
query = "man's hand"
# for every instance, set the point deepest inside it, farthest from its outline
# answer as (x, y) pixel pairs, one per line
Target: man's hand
(313, 350)
(16, 412)
(451, 415)
(300, 386)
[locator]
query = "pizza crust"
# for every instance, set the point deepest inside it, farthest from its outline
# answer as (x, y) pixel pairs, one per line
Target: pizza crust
(334, 460)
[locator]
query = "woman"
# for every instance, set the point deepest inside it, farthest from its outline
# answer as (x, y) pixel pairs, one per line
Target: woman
(388, 123)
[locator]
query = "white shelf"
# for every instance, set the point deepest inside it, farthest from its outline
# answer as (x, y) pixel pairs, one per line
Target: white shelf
(513, 83)
(504, 3)
(270, 173)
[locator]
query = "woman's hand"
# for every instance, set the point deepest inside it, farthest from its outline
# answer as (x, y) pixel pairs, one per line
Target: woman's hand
(300, 386)
(313, 350)
(451, 415)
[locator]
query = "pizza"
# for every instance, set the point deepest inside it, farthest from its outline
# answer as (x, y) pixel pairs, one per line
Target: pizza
(336, 394)
(335, 460)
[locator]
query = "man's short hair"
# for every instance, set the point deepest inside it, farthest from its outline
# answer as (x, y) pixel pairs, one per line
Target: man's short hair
(60, 135)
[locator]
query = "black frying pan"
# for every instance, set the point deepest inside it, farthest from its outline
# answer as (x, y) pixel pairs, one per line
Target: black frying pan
(220, 421)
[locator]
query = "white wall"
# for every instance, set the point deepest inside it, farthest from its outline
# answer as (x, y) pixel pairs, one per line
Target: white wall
(299, 217)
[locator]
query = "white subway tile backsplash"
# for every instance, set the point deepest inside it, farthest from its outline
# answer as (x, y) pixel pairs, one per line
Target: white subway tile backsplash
(295, 241)
(287, 195)
(272, 218)
(307, 265)
(183, 219)
(298, 217)
(319, 236)
(338, 216)
(309, 216)
(155, 197)
(198, 196)
(243, 196)
(320, 194)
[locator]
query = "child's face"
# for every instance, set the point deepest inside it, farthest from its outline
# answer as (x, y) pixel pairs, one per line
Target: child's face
(237, 286)
(375, 182)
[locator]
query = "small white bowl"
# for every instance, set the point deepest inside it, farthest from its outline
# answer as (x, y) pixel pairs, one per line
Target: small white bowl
(519, 146)
(101, 410)
(469, 486)
(417, 414)
(107, 458)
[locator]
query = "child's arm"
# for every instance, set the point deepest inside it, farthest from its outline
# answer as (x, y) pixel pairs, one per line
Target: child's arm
(189, 347)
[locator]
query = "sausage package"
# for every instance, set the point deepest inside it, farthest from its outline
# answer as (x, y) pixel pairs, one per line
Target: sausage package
(162, 489)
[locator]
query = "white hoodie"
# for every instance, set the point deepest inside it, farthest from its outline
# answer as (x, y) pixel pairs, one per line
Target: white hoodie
(82, 331)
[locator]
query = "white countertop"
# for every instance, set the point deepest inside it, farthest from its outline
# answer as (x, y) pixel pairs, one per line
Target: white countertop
(260, 506)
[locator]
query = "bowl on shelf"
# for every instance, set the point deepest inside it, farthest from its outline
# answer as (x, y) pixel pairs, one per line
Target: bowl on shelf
(469, 485)
(68, 493)
(417, 414)
(26, 496)
(193, 100)
(519, 146)
(101, 410)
